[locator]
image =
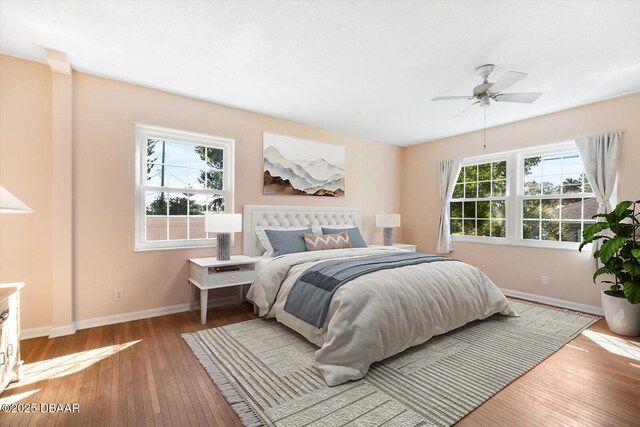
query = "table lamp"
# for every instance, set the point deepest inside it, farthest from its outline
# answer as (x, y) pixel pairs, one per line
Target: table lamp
(388, 222)
(223, 225)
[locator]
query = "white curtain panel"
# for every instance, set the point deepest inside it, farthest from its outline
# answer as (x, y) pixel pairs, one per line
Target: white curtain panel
(449, 170)
(599, 154)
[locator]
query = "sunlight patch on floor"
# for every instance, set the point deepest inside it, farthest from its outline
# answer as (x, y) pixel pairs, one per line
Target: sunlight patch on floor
(615, 345)
(66, 365)
(577, 348)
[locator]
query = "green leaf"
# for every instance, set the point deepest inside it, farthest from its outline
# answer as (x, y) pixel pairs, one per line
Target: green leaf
(619, 211)
(591, 240)
(632, 266)
(601, 271)
(610, 247)
(591, 230)
(636, 254)
(632, 291)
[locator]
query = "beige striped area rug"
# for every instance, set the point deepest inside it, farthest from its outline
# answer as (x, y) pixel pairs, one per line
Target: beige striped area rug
(266, 372)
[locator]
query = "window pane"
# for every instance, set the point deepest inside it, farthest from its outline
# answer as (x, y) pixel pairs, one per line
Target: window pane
(483, 210)
(484, 189)
(551, 165)
(153, 149)
(177, 204)
(587, 185)
(533, 167)
(175, 177)
(175, 153)
(178, 228)
(456, 209)
(551, 184)
(214, 179)
(470, 227)
(499, 188)
(531, 208)
(571, 232)
(498, 209)
(215, 203)
(471, 173)
(571, 164)
(469, 209)
(484, 227)
(571, 209)
(532, 187)
(456, 226)
(461, 175)
(550, 209)
(484, 172)
(154, 175)
(572, 184)
(531, 230)
(499, 170)
(215, 158)
(497, 228)
(551, 230)
(458, 191)
(196, 227)
(590, 207)
(197, 157)
(155, 203)
(471, 190)
(197, 204)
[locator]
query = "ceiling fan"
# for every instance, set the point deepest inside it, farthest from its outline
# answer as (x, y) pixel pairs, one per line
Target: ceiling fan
(487, 91)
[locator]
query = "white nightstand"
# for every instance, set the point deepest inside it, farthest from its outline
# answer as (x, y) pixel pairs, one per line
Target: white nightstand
(398, 245)
(203, 275)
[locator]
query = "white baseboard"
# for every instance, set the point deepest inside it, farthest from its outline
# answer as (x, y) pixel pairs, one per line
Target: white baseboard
(554, 301)
(116, 318)
(41, 331)
(61, 331)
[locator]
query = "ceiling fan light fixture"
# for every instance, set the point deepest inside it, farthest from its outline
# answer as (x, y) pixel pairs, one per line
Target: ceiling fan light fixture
(485, 101)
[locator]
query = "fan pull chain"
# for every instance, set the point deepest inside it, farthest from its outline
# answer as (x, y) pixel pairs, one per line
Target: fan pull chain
(484, 133)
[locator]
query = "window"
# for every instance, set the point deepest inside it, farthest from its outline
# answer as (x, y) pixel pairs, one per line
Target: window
(180, 176)
(546, 201)
(479, 200)
(557, 200)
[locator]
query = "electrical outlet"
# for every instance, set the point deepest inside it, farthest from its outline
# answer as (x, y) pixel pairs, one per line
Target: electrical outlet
(544, 280)
(119, 294)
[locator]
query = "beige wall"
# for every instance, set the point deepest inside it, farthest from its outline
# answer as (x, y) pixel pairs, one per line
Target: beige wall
(25, 170)
(104, 187)
(511, 267)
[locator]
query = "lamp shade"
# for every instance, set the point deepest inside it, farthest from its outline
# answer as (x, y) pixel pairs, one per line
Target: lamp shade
(11, 204)
(223, 223)
(388, 220)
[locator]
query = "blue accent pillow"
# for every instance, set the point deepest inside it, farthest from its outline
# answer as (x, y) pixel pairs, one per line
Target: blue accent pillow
(287, 241)
(354, 235)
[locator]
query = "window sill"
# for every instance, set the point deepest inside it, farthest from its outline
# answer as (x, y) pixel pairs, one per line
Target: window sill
(566, 246)
(172, 248)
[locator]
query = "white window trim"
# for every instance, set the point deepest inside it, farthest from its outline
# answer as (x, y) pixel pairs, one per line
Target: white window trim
(148, 131)
(513, 206)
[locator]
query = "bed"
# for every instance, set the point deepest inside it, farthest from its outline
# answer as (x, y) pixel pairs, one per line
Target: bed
(375, 315)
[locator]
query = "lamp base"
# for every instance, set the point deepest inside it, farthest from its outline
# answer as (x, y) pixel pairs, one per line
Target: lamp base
(388, 236)
(224, 244)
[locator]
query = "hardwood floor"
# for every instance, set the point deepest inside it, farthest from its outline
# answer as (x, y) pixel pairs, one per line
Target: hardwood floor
(142, 373)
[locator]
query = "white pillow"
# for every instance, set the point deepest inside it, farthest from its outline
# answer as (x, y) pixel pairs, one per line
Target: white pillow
(266, 244)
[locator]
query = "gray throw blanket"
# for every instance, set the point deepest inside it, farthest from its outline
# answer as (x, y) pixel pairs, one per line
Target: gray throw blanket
(311, 294)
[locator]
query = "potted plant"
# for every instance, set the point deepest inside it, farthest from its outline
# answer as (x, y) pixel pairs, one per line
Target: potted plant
(619, 254)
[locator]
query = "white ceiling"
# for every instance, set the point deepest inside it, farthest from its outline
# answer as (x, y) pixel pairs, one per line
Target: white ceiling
(365, 68)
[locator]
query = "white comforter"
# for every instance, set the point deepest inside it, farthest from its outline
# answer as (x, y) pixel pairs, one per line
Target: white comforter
(380, 314)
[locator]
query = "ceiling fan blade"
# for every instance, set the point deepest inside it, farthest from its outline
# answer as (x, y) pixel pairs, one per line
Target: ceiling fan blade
(525, 98)
(468, 109)
(451, 98)
(509, 78)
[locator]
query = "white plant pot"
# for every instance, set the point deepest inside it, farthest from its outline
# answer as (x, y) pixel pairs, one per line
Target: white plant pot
(623, 318)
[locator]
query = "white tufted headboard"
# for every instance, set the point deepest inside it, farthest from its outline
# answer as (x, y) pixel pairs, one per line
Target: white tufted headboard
(292, 216)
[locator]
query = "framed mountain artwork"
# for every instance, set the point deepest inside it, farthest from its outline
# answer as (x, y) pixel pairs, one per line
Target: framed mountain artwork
(299, 167)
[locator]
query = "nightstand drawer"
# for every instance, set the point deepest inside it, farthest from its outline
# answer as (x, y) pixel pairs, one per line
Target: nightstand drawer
(229, 278)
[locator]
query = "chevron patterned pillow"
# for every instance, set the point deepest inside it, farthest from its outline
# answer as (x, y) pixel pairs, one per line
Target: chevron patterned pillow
(321, 242)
